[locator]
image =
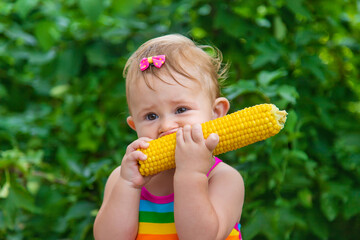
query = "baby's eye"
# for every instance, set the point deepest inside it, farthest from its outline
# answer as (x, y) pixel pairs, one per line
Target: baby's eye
(151, 116)
(181, 110)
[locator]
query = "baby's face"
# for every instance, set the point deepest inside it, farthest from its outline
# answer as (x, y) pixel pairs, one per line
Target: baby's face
(162, 110)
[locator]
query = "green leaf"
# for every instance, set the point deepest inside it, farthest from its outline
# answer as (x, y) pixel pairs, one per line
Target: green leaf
(46, 34)
(5, 8)
(23, 7)
(59, 91)
(84, 227)
(116, 35)
(304, 37)
(198, 32)
(21, 199)
(352, 206)
(263, 22)
(69, 63)
(80, 210)
(34, 157)
(317, 224)
(315, 66)
(97, 54)
(291, 121)
(288, 93)
(305, 197)
(239, 88)
(4, 190)
(258, 222)
(3, 91)
(298, 154)
(15, 32)
(204, 10)
(296, 6)
(265, 77)
(92, 8)
(269, 52)
(13, 157)
(2, 222)
(329, 206)
(125, 8)
(40, 58)
(279, 29)
(232, 24)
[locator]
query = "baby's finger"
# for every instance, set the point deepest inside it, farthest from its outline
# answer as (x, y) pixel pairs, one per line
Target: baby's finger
(179, 135)
(212, 141)
(187, 133)
(137, 155)
(146, 139)
(196, 132)
(144, 143)
(139, 143)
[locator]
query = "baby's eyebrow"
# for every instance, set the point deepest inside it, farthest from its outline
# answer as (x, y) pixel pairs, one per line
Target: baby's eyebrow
(144, 111)
(180, 101)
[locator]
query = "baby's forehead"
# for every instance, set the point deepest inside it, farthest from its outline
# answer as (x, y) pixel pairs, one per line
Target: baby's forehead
(150, 81)
(142, 86)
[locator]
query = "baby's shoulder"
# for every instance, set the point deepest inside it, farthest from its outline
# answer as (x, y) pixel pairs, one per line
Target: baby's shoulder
(226, 172)
(112, 179)
(224, 181)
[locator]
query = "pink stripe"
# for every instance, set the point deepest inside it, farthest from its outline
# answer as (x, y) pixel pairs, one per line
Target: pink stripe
(146, 195)
(238, 229)
(217, 161)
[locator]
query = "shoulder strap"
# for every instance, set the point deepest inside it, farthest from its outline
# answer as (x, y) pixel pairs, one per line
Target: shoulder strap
(217, 161)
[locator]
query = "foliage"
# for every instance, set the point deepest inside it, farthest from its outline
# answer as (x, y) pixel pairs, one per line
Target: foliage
(63, 108)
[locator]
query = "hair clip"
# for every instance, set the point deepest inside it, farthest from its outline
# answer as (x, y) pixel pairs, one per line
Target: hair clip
(157, 61)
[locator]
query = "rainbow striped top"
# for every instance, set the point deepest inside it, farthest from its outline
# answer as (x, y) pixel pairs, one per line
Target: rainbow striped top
(156, 217)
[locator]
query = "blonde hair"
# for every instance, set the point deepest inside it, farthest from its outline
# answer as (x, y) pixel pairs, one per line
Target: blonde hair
(181, 54)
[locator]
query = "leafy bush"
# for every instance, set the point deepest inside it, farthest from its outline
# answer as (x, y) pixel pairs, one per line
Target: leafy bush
(63, 108)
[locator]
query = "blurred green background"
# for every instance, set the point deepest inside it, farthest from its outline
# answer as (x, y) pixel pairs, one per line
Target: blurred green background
(63, 108)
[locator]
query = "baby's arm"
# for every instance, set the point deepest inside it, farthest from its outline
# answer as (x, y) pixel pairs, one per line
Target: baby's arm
(119, 212)
(204, 208)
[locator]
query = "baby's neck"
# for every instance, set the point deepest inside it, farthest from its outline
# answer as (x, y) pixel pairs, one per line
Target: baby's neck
(162, 184)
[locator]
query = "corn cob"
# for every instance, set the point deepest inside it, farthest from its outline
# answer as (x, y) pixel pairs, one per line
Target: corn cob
(235, 130)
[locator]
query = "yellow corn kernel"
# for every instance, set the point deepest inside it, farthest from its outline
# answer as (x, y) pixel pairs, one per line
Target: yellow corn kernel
(235, 130)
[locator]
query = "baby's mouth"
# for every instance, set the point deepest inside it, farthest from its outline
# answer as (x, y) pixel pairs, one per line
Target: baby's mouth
(168, 132)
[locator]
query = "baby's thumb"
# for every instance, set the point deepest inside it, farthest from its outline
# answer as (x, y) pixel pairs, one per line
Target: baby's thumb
(212, 141)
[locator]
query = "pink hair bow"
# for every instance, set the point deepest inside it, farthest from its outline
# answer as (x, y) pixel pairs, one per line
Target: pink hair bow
(157, 61)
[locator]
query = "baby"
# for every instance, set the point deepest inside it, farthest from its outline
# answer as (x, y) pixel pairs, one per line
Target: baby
(172, 85)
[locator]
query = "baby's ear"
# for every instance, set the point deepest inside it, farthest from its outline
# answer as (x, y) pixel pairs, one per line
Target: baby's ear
(221, 107)
(130, 122)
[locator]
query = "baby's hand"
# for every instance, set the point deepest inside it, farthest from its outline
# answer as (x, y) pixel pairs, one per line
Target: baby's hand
(129, 170)
(193, 152)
